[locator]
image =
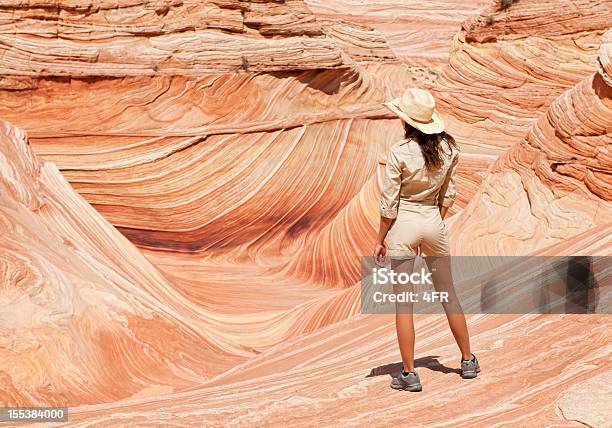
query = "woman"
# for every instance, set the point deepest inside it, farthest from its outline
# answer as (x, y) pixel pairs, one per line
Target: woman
(418, 189)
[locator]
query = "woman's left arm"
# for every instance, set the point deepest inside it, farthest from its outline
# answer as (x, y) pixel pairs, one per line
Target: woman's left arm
(385, 225)
(380, 250)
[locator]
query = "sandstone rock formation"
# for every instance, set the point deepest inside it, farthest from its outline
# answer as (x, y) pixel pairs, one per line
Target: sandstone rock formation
(135, 38)
(85, 317)
(170, 131)
(418, 32)
(158, 153)
(554, 184)
(238, 146)
(340, 375)
(507, 65)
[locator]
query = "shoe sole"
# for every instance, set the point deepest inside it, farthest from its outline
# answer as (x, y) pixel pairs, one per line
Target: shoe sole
(408, 388)
(471, 375)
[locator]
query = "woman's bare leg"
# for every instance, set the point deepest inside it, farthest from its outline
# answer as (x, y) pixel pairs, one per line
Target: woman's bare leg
(442, 278)
(404, 325)
(404, 322)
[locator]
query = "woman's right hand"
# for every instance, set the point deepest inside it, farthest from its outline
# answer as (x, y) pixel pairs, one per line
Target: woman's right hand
(380, 252)
(443, 211)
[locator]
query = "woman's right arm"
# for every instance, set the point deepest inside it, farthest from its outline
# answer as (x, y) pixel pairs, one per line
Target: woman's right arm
(443, 211)
(448, 191)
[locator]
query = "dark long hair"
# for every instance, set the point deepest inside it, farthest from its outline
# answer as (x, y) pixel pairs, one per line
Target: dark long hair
(430, 144)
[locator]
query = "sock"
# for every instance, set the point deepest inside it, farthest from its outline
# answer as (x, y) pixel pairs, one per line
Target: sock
(405, 373)
(472, 359)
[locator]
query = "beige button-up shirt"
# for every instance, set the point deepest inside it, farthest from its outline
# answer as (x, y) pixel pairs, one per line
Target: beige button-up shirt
(406, 178)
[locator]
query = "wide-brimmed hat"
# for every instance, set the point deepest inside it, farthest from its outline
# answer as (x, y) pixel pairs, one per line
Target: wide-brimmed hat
(417, 107)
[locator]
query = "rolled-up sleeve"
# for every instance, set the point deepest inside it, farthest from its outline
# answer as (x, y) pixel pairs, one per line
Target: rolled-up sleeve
(448, 191)
(392, 182)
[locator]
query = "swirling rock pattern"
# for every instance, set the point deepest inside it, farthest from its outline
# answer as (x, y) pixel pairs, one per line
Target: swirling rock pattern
(162, 37)
(499, 21)
(78, 293)
(162, 174)
(240, 146)
(340, 375)
(552, 185)
(509, 64)
(418, 32)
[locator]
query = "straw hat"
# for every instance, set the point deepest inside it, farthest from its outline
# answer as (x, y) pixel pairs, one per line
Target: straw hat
(417, 108)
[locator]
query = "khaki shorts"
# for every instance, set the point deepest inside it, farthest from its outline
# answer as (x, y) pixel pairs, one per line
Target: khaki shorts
(417, 230)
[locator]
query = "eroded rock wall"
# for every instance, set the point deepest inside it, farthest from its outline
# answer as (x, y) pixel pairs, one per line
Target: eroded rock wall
(552, 185)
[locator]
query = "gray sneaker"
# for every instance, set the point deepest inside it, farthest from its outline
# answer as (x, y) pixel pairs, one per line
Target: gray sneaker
(470, 368)
(410, 382)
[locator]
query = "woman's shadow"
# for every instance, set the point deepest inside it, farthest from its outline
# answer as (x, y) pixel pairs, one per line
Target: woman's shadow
(429, 362)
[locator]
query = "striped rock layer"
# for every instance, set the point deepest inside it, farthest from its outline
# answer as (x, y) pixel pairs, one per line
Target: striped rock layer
(555, 183)
(185, 216)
